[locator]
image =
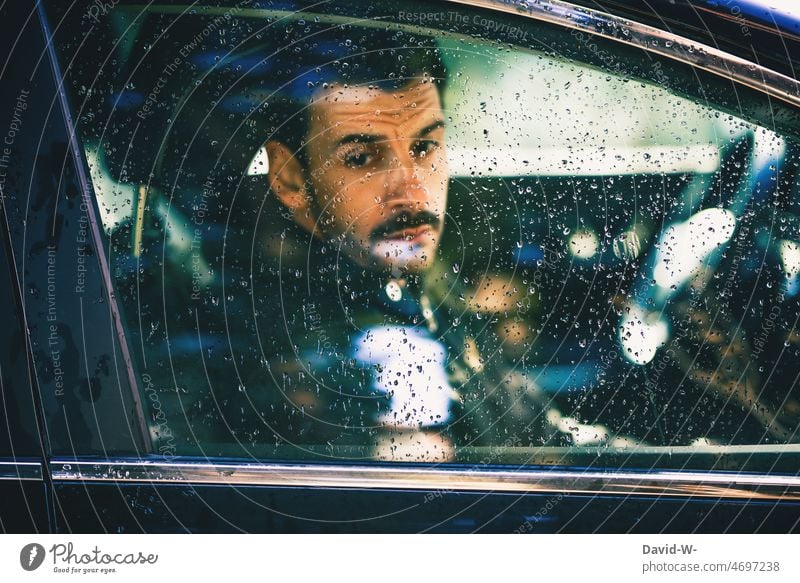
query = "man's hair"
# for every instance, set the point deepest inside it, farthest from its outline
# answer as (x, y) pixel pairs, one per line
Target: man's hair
(241, 85)
(308, 59)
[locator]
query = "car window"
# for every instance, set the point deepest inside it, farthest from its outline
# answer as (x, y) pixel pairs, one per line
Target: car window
(429, 236)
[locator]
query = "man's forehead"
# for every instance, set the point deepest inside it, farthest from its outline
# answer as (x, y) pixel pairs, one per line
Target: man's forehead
(335, 106)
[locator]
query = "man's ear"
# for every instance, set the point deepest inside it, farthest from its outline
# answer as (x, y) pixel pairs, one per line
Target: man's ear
(287, 181)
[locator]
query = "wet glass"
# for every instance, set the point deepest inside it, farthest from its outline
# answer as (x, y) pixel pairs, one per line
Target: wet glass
(393, 239)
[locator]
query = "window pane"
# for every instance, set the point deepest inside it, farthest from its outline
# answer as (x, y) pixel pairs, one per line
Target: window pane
(336, 237)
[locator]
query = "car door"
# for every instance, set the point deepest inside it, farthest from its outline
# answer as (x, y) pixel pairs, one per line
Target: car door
(619, 251)
(21, 452)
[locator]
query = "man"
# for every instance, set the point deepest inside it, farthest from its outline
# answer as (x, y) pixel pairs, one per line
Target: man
(375, 185)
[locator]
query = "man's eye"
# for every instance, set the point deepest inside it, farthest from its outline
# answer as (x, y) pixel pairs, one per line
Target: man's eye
(424, 147)
(357, 159)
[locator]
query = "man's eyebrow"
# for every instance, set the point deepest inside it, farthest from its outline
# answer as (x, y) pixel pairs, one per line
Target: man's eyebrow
(359, 138)
(432, 127)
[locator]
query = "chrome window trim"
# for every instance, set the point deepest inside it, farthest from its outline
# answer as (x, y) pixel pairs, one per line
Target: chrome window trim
(15, 470)
(383, 477)
(654, 40)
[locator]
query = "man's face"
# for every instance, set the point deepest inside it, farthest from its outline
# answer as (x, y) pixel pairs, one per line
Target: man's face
(378, 172)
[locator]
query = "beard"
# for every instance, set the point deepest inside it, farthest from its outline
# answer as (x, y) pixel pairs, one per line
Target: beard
(404, 242)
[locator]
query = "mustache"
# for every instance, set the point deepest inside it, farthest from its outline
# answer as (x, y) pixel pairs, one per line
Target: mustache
(404, 220)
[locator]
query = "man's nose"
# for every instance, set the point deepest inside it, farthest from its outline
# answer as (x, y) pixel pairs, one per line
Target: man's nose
(404, 176)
